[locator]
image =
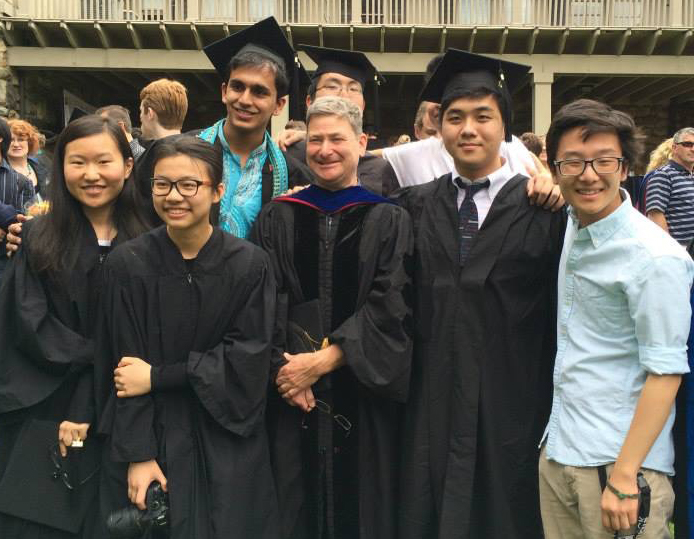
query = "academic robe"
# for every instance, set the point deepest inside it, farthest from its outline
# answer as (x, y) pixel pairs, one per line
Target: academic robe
(375, 173)
(355, 260)
(485, 341)
(206, 330)
(46, 364)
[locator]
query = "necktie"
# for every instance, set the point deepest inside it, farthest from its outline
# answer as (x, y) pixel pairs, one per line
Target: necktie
(467, 216)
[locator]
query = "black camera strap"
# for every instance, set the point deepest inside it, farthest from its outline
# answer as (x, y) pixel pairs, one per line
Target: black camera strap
(644, 502)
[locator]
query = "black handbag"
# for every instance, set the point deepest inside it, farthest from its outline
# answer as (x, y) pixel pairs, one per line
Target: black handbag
(41, 486)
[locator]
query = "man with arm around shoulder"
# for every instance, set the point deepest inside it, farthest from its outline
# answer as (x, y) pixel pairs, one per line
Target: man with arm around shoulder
(623, 320)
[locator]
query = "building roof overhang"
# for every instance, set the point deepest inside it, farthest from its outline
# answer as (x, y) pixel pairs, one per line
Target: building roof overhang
(529, 40)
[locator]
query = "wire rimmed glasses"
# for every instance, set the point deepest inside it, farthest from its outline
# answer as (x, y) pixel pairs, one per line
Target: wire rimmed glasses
(322, 406)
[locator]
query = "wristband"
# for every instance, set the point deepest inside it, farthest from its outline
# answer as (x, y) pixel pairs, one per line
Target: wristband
(621, 495)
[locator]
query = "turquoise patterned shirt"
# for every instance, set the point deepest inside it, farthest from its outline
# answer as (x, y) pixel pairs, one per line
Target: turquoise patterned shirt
(243, 185)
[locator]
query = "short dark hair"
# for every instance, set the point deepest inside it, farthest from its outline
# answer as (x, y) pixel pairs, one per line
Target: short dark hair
(475, 93)
(195, 148)
(594, 117)
(258, 60)
(118, 114)
(532, 142)
(6, 136)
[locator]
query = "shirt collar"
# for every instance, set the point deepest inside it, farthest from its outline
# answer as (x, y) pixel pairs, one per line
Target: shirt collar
(602, 230)
(4, 164)
(675, 164)
(260, 150)
(497, 179)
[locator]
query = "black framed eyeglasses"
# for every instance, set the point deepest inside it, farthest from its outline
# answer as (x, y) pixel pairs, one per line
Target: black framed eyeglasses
(322, 406)
(601, 165)
(59, 471)
(186, 188)
(686, 143)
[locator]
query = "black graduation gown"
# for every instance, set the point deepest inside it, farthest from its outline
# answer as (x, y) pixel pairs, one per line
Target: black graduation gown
(329, 484)
(485, 341)
(375, 173)
(46, 365)
(207, 333)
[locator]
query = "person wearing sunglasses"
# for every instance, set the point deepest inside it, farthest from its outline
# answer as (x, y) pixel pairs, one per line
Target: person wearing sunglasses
(189, 313)
(670, 190)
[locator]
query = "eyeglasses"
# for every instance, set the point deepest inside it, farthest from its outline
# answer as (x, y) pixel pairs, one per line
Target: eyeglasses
(341, 420)
(335, 88)
(601, 165)
(59, 472)
(186, 188)
(687, 144)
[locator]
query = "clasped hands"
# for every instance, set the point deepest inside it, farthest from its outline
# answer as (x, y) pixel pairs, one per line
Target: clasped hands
(295, 379)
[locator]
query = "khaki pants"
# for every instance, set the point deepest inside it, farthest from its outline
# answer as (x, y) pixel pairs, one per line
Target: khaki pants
(570, 502)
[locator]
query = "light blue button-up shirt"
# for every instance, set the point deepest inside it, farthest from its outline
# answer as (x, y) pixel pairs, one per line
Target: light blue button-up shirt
(623, 312)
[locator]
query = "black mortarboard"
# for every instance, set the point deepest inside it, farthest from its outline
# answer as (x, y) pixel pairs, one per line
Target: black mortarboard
(76, 114)
(461, 71)
(353, 64)
(266, 38)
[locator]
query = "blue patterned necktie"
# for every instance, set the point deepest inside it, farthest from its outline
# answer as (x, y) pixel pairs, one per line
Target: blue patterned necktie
(467, 216)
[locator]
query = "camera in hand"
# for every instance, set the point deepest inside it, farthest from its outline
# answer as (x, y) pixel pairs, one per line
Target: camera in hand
(131, 523)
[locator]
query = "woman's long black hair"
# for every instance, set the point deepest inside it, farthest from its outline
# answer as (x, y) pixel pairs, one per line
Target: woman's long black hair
(57, 237)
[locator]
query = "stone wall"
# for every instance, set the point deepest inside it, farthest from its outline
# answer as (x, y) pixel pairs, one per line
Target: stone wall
(682, 115)
(654, 122)
(9, 86)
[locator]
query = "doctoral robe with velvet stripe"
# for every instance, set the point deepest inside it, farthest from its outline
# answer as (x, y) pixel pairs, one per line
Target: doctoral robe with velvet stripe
(355, 262)
(485, 341)
(205, 327)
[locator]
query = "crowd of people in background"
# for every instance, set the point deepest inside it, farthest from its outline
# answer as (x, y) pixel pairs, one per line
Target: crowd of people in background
(221, 334)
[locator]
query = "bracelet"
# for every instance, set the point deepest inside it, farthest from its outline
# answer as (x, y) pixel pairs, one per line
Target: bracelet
(621, 495)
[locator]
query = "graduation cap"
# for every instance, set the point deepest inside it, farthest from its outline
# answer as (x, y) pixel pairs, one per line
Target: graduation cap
(461, 72)
(353, 64)
(267, 39)
(76, 114)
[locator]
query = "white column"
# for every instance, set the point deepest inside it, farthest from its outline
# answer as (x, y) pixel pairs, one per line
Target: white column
(193, 10)
(516, 12)
(542, 102)
(356, 12)
(676, 13)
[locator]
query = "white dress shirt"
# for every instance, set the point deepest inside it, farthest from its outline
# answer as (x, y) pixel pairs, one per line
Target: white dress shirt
(484, 198)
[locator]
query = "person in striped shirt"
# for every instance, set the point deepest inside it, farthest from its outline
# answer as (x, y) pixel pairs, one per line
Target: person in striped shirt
(670, 192)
